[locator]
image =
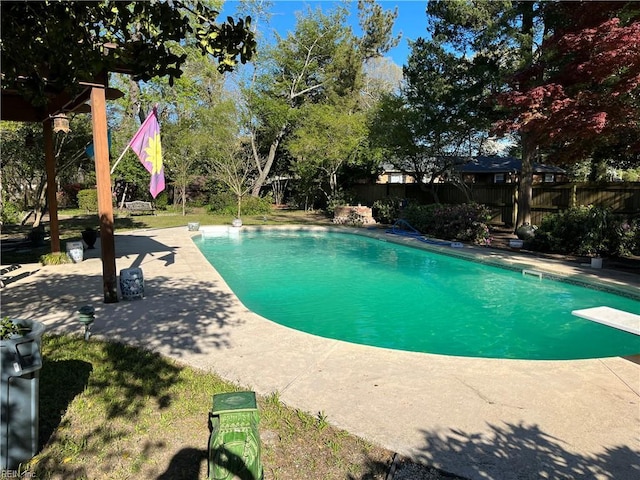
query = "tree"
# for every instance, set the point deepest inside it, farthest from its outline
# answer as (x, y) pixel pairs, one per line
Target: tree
(23, 171)
(438, 116)
(327, 138)
(581, 96)
(51, 46)
(381, 76)
(502, 37)
(321, 62)
(233, 167)
(198, 118)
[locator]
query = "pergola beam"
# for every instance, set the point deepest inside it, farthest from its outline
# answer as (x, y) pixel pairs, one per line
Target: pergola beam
(105, 199)
(50, 165)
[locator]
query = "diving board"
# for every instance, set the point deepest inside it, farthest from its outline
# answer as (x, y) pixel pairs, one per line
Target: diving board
(629, 322)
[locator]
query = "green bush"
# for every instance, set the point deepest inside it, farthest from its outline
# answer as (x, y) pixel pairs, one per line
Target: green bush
(386, 211)
(256, 205)
(55, 258)
(10, 212)
(161, 201)
(88, 200)
(466, 222)
(227, 204)
(338, 199)
(223, 204)
(587, 230)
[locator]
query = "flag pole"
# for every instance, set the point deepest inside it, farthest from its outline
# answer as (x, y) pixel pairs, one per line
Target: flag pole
(118, 160)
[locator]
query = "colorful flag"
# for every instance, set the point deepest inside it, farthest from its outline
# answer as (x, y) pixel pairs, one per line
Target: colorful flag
(146, 144)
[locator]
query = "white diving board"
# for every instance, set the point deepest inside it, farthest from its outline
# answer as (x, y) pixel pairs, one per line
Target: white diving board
(629, 322)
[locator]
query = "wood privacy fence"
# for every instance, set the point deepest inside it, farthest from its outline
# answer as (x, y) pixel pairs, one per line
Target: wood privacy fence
(622, 198)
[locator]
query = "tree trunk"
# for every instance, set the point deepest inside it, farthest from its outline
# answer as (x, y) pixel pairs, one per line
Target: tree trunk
(183, 199)
(528, 142)
(264, 173)
(526, 181)
(41, 205)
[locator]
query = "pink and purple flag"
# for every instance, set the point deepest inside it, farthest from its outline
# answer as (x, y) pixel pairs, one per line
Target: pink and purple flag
(146, 144)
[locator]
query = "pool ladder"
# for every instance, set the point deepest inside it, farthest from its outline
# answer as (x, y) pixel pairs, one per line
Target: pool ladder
(533, 273)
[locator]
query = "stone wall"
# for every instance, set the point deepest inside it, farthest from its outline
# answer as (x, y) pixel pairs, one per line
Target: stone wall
(353, 215)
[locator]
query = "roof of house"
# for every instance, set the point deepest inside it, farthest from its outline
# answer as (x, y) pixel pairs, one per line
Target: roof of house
(495, 164)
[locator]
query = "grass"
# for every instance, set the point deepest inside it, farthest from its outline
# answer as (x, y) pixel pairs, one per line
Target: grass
(110, 411)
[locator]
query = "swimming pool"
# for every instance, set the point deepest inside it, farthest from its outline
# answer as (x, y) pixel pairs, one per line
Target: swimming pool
(363, 290)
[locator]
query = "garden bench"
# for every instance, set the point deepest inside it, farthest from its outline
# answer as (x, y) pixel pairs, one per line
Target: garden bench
(139, 206)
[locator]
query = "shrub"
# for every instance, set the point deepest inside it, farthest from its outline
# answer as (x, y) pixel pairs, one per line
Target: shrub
(386, 211)
(227, 204)
(256, 205)
(466, 222)
(223, 204)
(55, 258)
(338, 199)
(88, 200)
(161, 201)
(10, 212)
(587, 230)
(68, 197)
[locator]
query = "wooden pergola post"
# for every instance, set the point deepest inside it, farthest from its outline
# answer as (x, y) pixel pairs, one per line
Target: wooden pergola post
(105, 199)
(52, 188)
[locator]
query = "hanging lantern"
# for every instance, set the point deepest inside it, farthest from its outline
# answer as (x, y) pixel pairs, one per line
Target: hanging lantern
(61, 123)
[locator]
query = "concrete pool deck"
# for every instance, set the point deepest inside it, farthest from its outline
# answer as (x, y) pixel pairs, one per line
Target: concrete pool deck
(477, 418)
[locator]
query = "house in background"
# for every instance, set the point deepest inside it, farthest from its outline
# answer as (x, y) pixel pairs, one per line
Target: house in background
(493, 170)
(390, 174)
(487, 170)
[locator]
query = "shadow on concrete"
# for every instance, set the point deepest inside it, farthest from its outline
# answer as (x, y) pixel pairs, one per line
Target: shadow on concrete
(189, 318)
(522, 452)
(192, 317)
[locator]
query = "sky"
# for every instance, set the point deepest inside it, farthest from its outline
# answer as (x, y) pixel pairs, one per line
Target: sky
(411, 21)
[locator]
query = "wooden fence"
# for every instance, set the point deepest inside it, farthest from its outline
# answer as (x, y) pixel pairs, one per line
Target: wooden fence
(622, 198)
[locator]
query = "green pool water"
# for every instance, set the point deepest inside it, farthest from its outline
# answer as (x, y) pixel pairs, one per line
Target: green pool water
(372, 292)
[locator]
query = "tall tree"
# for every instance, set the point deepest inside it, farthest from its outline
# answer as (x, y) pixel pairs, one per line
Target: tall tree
(321, 62)
(327, 138)
(197, 115)
(582, 95)
(439, 115)
(504, 36)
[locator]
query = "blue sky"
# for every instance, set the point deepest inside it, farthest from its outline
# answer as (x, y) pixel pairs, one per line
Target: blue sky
(411, 21)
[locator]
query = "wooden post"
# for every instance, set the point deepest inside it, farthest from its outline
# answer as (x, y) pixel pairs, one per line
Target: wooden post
(50, 162)
(105, 201)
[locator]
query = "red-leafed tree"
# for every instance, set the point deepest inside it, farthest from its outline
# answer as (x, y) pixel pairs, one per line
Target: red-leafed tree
(582, 97)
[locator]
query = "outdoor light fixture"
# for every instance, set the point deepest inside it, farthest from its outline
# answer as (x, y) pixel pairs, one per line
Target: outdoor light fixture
(61, 123)
(86, 318)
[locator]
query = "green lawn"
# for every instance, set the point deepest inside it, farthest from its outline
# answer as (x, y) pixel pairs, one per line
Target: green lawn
(110, 411)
